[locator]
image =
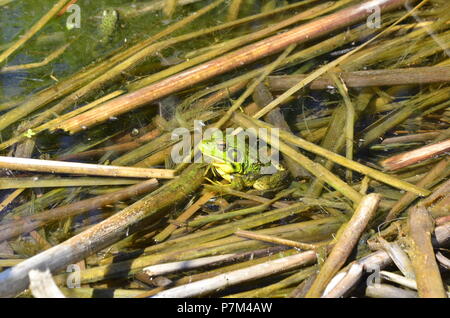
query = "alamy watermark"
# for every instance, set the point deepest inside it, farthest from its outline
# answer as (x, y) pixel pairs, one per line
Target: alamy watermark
(74, 278)
(74, 19)
(374, 19)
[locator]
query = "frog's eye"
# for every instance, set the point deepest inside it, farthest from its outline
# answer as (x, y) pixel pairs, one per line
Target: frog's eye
(234, 154)
(221, 146)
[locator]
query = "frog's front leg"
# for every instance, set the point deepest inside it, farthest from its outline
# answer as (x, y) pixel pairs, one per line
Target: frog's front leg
(267, 182)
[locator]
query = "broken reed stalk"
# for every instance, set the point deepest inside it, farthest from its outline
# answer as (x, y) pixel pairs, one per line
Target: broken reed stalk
(353, 274)
(222, 281)
(233, 10)
(381, 259)
(86, 292)
(103, 234)
(29, 223)
(414, 156)
(439, 171)
(371, 78)
(184, 217)
(444, 262)
(349, 120)
(346, 241)
(408, 107)
(268, 291)
(33, 182)
(170, 7)
(64, 9)
(42, 285)
(388, 291)
(399, 279)
(226, 215)
(121, 146)
(229, 62)
(350, 164)
(10, 198)
(412, 138)
(33, 30)
(167, 268)
(240, 194)
(274, 240)
(426, 270)
(53, 166)
(45, 61)
(398, 256)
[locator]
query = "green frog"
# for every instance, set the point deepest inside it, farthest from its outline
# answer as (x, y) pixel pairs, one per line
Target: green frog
(108, 24)
(234, 162)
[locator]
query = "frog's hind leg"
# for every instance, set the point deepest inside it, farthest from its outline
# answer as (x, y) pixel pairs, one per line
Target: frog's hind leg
(278, 179)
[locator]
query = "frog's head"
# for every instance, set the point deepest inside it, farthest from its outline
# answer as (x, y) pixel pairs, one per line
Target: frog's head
(226, 156)
(110, 14)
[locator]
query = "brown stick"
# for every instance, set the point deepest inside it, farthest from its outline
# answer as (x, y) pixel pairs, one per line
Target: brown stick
(345, 244)
(27, 224)
(428, 278)
(406, 76)
(411, 157)
(54, 166)
(229, 62)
